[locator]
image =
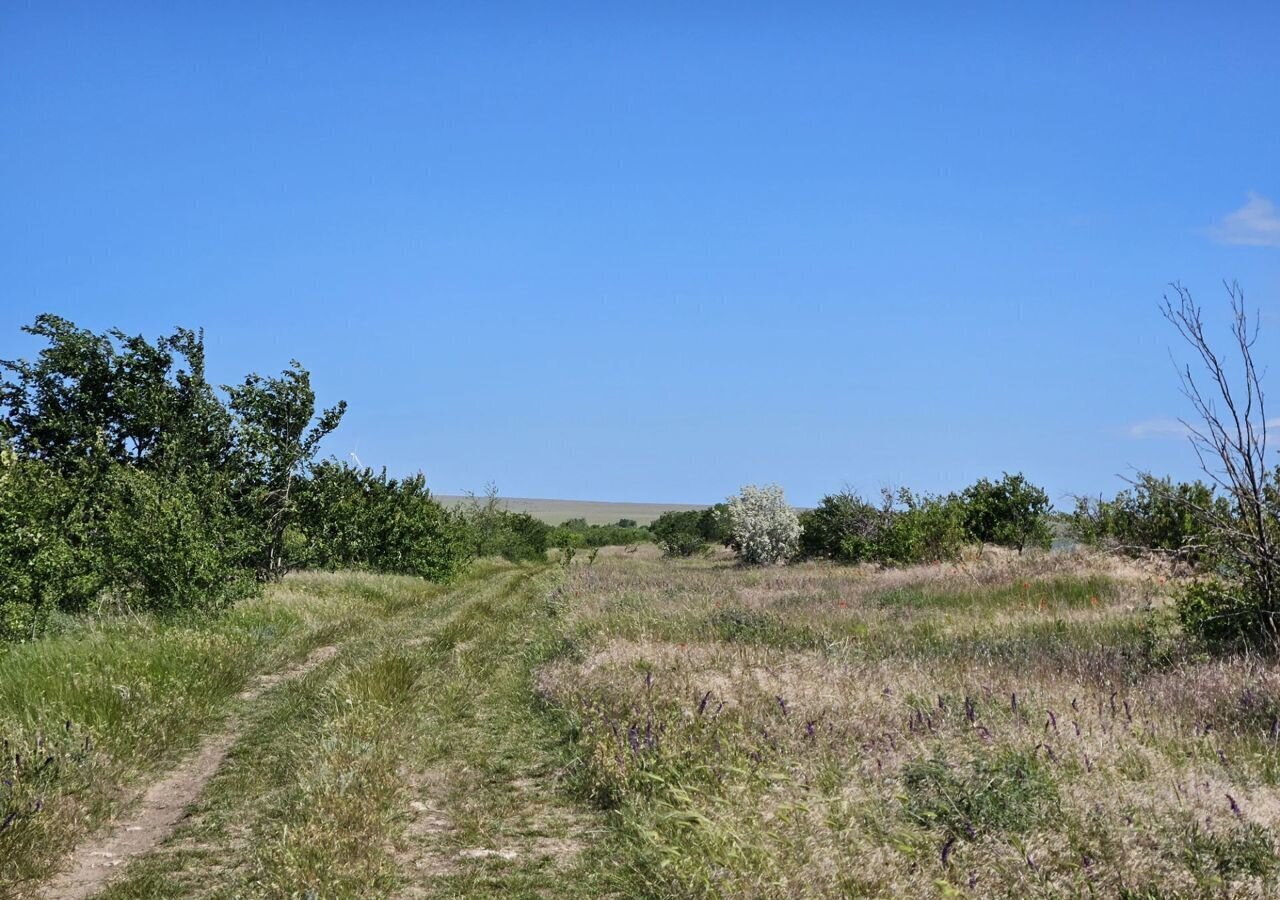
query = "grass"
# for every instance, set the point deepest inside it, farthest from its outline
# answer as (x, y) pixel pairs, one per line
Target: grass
(1007, 728)
(643, 727)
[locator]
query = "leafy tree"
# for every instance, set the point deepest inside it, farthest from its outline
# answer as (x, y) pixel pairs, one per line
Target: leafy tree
(1011, 512)
(679, 532)
(277, 435)
(42, 566)
(349, 517)
(114, 397)
(905, 528)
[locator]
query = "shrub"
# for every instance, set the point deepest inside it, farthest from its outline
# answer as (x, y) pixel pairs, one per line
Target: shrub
(496, 531)
(1154, 515)
(713, 525)
(1011, 512)
(166, 545)
(522, 538)
(357, 518)
(679, 532)
(40, 569)
(836, 518)
(905, 528)
(764, 529)
(578, 533)
(927, 529)
(1220, 614)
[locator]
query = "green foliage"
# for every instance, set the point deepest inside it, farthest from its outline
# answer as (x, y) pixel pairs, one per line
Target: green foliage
(680, 533)
(115, 397)
(837, 518)
(41, 568)
(584, 536)
(1223, 614)
(1005, 794)
(352, 518)
(125, 477)
(165, 545)
(275, 443)
(496, 531)
(1156, 514)
(905, 528)
(1011, 512)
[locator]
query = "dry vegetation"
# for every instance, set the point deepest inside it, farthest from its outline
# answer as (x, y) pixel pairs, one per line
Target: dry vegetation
(646, 727)
(1003, 727)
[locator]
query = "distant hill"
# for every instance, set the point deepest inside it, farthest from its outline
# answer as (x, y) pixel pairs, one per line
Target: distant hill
(596, 512)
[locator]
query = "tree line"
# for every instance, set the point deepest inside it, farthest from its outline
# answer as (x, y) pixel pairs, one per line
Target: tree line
(128, 480)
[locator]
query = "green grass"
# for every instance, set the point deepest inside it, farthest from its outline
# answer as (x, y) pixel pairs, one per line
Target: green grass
(652, 728)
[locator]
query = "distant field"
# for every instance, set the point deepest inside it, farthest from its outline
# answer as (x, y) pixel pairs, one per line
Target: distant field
(594, 511)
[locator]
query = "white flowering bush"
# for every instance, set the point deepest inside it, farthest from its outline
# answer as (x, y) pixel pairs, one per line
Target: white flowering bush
(765, 530)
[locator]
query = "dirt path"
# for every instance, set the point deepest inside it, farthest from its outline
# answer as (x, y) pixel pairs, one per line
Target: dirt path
(164, 804)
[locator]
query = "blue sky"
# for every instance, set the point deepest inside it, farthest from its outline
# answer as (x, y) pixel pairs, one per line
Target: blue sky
(645, 252)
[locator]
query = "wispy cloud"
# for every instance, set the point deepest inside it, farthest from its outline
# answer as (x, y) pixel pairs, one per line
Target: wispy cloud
(1256, 224)
(1158, 428)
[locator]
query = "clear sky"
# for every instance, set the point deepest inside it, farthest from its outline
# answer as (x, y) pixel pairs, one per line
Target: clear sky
(655, 251)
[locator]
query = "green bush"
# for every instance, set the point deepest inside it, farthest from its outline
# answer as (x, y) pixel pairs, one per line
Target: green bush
(836, 518)
(1011, 512)
(360, 519)
(167, 545)
(1223, 615)
(41, 568)
(522, 538)
(680, 532)
(906, 528)
(577, 533)
(1155, 515)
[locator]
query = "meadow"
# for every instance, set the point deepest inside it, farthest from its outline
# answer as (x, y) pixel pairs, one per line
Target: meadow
(1002, 726)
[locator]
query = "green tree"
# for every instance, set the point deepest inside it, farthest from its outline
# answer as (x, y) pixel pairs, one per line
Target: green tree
(679, 532)
(349, 517)
(277, 435)
(114, 397)
(1011, 512)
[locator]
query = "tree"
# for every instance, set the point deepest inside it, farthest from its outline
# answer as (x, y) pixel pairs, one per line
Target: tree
(114, 397)
(765, 529)
(1230, 441)
(276, 441)
(357, 518)
(679, 532)
(1011, 512)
